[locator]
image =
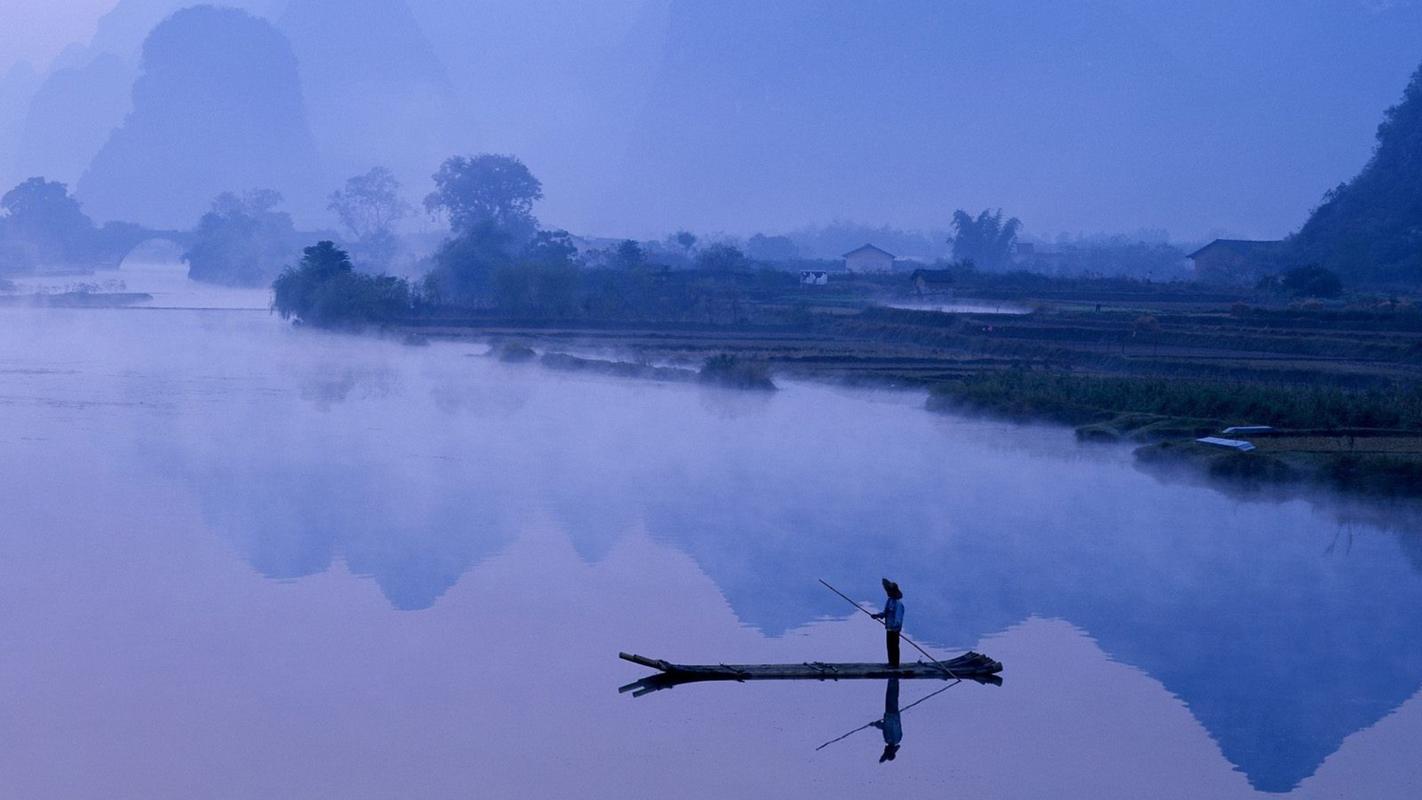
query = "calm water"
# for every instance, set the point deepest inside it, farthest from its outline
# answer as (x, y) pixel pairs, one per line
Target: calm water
(244, 561)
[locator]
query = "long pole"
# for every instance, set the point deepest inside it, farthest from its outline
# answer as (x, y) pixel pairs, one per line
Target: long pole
(847, 599)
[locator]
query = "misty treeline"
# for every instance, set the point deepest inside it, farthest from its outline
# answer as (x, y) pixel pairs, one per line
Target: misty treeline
(498, 255)
(326, 291)
(43, 227)
(499, 258)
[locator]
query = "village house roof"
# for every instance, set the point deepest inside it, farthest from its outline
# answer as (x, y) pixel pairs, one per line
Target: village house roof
(868, 248)
(1241, 247)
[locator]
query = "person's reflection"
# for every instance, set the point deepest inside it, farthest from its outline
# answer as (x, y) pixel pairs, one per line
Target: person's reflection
(892, 728)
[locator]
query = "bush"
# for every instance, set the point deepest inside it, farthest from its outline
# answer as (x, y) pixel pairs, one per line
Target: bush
(721, 258)
(325, 291)
(242, 241)
(729, 371)
(1312, 281)
(513, 352)
(1083, 399)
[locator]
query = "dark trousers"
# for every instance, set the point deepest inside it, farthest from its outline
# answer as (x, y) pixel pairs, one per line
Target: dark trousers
(891, 639)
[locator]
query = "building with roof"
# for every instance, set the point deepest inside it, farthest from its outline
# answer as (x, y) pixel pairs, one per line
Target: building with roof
(869, 259)
(1239, 261)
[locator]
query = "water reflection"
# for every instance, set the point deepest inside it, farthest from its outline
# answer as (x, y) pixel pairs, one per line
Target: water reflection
(1179, 582)
(1186, 584)
(417, 468)
(891, 725)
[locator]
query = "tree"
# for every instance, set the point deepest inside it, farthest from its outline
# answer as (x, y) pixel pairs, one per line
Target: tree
(554, 248)
(42, 224)
(325, 290)
(487, 189)
(543, 281)
(629, 255)
(1370, 229)
(1312, 281)
(46, 203)
(720, 258)
(686, 240)
(242, 241)
(986, 239)
(534, 288)
(772, 248)
(465, 264)
(293, 292)
(369, 206)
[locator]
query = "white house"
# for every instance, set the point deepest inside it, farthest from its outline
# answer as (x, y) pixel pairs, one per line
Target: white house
(813, 277)
(869, 259)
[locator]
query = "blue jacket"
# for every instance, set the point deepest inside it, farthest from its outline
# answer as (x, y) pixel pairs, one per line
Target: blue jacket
(894, 614)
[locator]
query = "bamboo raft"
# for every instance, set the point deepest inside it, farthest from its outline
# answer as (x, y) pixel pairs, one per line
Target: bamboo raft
(969, 667)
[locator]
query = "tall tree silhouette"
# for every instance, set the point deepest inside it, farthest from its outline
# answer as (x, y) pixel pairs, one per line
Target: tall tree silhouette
(986, 240)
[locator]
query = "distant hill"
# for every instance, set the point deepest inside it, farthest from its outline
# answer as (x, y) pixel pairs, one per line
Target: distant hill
(123, 29)
(777, 113)
(17, 86)
(85, 94)
(70, 117)
(376, 92)
(217, 108)
(1370, 229)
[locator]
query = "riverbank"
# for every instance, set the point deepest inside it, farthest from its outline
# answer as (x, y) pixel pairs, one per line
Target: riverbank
(76, 300)
(1160, 371)
(1361, 440)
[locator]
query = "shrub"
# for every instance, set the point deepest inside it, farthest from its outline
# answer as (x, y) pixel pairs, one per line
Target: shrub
(1082, 399)
(326, 291)
(1312, 281)
(513, 352)
(729, 371)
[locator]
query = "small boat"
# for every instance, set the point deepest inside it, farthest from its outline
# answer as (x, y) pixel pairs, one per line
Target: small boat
(969, 667)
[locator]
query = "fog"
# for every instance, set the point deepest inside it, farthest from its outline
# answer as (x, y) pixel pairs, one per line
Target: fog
(296, 506)
(419, 469)
(645, 116)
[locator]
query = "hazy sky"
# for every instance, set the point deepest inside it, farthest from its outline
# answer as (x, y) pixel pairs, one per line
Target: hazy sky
(37, 30)
(643, 116)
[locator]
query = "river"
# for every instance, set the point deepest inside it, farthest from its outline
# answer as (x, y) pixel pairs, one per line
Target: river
(243, 560)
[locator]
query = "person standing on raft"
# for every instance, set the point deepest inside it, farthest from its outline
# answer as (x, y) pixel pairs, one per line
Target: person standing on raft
(893, 618)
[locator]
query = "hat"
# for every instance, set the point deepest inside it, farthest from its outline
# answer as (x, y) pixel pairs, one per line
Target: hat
(892, 589)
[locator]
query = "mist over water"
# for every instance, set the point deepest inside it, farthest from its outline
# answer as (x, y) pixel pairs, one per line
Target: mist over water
(281, 517)
(243, 559)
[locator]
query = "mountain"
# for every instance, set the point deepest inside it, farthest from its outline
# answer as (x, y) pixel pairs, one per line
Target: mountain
(86, 93)
(70, 117)
(774, 114)
(17, 86)
(217, 108)
(1369, 229)
(561, 84)
(377, 93)
(1101, 115)
(124, 28)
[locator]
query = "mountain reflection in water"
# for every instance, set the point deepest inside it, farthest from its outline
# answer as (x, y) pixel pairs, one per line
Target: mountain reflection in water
(453, 483)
